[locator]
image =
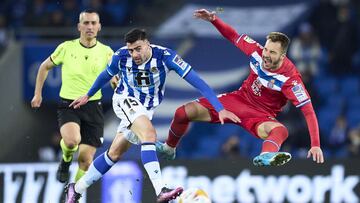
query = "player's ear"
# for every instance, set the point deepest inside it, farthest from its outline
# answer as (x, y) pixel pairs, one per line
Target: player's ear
(282, 56)
(78, 27)
(99, 26)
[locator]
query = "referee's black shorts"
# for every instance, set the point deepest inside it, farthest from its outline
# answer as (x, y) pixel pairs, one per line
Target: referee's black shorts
(90, 118)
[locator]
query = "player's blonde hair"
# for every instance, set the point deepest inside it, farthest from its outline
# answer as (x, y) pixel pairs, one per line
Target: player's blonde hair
(279, 37)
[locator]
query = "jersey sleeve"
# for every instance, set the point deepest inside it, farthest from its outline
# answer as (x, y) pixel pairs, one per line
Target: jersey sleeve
(176, 63)
(112, 66)
(243, 42)
(57, 57)
(110, 53)
(294, 90)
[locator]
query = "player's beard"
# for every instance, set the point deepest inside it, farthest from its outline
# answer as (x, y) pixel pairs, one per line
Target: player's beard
(273, 64)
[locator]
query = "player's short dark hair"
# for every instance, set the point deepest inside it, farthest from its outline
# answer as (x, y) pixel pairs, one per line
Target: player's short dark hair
(279, 37)
(135, 34)
(89, 11)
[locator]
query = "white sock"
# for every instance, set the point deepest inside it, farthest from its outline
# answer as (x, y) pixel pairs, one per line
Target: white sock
(152, 166)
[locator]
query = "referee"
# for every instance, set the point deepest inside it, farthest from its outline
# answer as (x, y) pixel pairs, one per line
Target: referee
(81, 61)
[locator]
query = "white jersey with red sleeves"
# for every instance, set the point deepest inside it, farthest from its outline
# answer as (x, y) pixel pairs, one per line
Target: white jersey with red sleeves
(268, 91)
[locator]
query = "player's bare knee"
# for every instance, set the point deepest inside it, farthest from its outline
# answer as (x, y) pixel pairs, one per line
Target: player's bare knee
(71, 143)
(181, 113)
(190, 111)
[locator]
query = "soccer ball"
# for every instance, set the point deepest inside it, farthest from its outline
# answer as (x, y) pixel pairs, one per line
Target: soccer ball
(194, 195)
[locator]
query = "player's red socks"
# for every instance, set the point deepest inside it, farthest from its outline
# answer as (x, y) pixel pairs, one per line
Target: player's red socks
(276, 137)
(178, 127)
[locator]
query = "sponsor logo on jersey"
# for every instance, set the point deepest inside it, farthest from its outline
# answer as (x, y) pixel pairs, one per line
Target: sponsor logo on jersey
(256, 87)
(299, 92)
(154, 70)
(180, 62)
(249, 40)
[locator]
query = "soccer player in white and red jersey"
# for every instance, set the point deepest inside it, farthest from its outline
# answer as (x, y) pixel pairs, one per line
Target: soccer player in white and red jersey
(273, 80)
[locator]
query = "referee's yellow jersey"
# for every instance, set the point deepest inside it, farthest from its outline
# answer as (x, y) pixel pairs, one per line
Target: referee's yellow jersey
(80, 67)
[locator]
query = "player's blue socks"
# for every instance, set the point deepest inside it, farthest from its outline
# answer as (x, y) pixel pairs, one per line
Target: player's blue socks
(151, 165)
(97, 169)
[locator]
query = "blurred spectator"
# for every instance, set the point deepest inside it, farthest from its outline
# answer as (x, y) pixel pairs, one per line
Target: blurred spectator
(52, 152)
(57, 18)
(36, 14)
(117, 10)
(305, 50)
(71, 12)
(354, 146)
(98, 5)
(16, 11)
(338, 138)
(344, 42)
(230, 148)
(323, 20)
(4, 38)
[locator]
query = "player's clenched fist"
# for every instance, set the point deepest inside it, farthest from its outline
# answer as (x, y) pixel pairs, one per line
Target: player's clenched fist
(36, 101)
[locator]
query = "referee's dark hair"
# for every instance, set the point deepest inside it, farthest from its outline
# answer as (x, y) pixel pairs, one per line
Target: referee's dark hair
(88, 11)
(135, 34)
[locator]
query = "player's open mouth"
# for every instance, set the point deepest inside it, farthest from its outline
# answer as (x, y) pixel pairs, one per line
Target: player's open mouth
(267, 61)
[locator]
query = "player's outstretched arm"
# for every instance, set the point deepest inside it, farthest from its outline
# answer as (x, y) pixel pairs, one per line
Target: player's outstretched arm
(205, 15)
(79, 102)
(193, 79)
(315, 151)
(100, 81)
(316, 154)
(225, 114)
(40, 79)
(114, 81)
(226, 30)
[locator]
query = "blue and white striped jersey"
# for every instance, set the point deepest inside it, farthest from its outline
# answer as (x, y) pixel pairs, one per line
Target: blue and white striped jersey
(146, 81)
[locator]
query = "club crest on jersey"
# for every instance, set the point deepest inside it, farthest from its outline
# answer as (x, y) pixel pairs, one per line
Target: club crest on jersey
(166, 53)
(299, 92)
(154, 70)
(180, 62)
(249, 40)
(271, 83)
(128, 68)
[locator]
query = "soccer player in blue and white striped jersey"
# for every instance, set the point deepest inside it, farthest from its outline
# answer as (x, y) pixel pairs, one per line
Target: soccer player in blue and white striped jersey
(142, 68)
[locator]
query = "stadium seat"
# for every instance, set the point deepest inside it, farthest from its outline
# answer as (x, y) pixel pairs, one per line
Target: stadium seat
(326, 86)
(349, 86)
(353, 102)
(208, 148)
(353, 117)
(327, 116)
(335, 101)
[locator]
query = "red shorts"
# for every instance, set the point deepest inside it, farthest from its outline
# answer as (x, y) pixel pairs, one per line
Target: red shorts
(250, 117)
